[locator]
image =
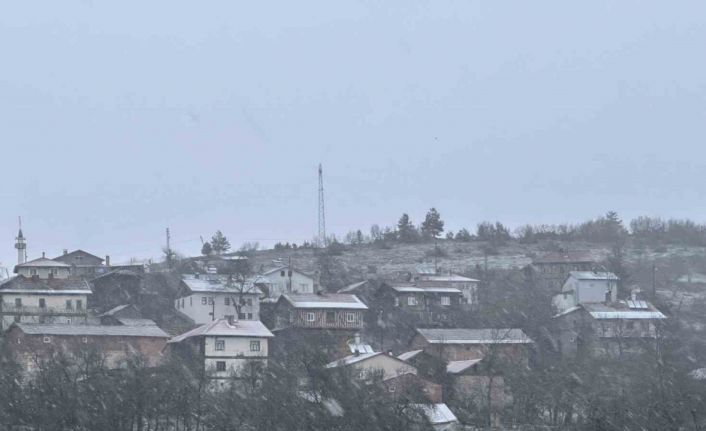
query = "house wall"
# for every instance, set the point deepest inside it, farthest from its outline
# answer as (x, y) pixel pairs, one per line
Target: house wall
(55, 310)
(388, 366)
(193, 306)
(469, 289)
(277, 285)
(41, 272)
(404, 384)
(516, 353)
(236, 354)
(553, 275)
(341, 317)
(29, 349)
(591, 290)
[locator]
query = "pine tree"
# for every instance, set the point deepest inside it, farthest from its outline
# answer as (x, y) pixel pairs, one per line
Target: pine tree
(433, 225)
(206, 249)
(219, 243)
(405, 229)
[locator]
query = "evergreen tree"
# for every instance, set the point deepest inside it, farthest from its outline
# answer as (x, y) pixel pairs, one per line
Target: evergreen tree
(432, 225)
(219, 243)
(405, 229)
(206, 249)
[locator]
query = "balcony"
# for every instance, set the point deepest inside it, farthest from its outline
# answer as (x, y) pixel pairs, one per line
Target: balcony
(27, 310)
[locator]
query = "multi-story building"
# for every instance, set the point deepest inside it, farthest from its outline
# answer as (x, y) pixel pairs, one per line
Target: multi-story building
(30, 343)
(333, 311)
(43, 293)
(586, 287)
(205, 298)
(284, 279)
(226, 348)
(549, 271)
(466, 285)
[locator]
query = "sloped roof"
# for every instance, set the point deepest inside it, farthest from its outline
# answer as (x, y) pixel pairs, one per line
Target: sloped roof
(425, 289)
(92, 330)
(116, 309)
(352, 287)
(475, 336)
(45, 286)
(406, 356)
(438, 414)
(136, 322)
(620, 310)
(221, 328)
(219, 285)
(77, 251)
(448, 277)
(42, 262)
(352, 359)
(326, 300)
(285, 268)
(593, 275)
(455, 367)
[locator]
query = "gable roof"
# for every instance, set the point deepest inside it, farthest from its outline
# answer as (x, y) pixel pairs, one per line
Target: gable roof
(447, 277)
(285, 268)
(456, 367)
(42, 262)
(211, 284)
(352, 287)
(425, 289)
(438, 414)
(77, 251)
(593, 275)
(91, 330)
(326, 300)
(221, 328)
(621, 310)
(406, 356)
(475, 336)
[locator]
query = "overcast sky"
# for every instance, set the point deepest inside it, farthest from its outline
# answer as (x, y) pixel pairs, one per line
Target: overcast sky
(118, 119)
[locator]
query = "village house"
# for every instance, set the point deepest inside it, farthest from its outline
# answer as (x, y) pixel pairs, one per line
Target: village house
(611, 328)
(84, 264)
(226, 347)
(284, 279)
(396, 375)
(31, 343)
(331, 311)
(440, 417)
(549, 271)
(458, 344)
(586, 287)
(43, 297)
(205, 298)
(467, 286)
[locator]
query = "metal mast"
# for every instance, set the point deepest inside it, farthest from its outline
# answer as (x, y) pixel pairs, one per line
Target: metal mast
(322, 212)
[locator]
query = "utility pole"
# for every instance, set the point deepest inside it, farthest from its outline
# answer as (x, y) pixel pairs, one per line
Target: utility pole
(169, 250)
(322, 211)
(654, 281)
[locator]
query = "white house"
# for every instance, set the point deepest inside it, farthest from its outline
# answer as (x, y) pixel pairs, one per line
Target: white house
(44, 297)
(280, 280)
(583, 287)
(43, 268)
(227, 347)
(206, 298)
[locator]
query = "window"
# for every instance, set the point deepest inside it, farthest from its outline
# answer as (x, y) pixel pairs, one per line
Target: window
(18, 302)
(69, 306)
(47, 339)
(397, 302)
(210, 301)
(350, 317)
(17, 319)
(68, 320)
(32, 272)
(85, 340)
(255, 346)
(220, 344)
(249, 316)
(54, 271)
(79, 304)
(330, 317)
(392, 388)
(226, 301)
(411, 300)
(248, 302)
(310, 317)
(445, 300)
(42, 303)
(204, 300)
(182, 302)
(281, 273)
(220, 365)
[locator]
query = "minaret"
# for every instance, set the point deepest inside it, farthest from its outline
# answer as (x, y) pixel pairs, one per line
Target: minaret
(21, 246)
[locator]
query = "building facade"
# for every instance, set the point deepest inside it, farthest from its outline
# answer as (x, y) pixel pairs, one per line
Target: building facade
(586, 287)
(210, 297)
(281, 280)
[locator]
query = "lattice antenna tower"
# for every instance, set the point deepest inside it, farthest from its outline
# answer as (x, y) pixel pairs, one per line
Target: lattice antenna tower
(322, 210)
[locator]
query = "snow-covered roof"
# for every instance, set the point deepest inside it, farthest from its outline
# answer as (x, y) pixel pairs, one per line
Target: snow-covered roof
(221, 328)
(325, 300)
(360, 348)
(692, 278)
(438, 414)
(406, 356)
(45, 286)
(285, 268)
(698, 374)
(216, 284)
(455, 367)
(136, 322)
(475, 336)
(352, 359)
(407, 289)
(92, 330)
(448, 277)
(352, 287)
(43, 262)
(593, 275)
(620, 310)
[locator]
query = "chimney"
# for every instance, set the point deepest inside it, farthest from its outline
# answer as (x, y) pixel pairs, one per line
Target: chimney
(66, 251)
(231, 320)
(356, 338)
(107, 260)
(43, 256)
